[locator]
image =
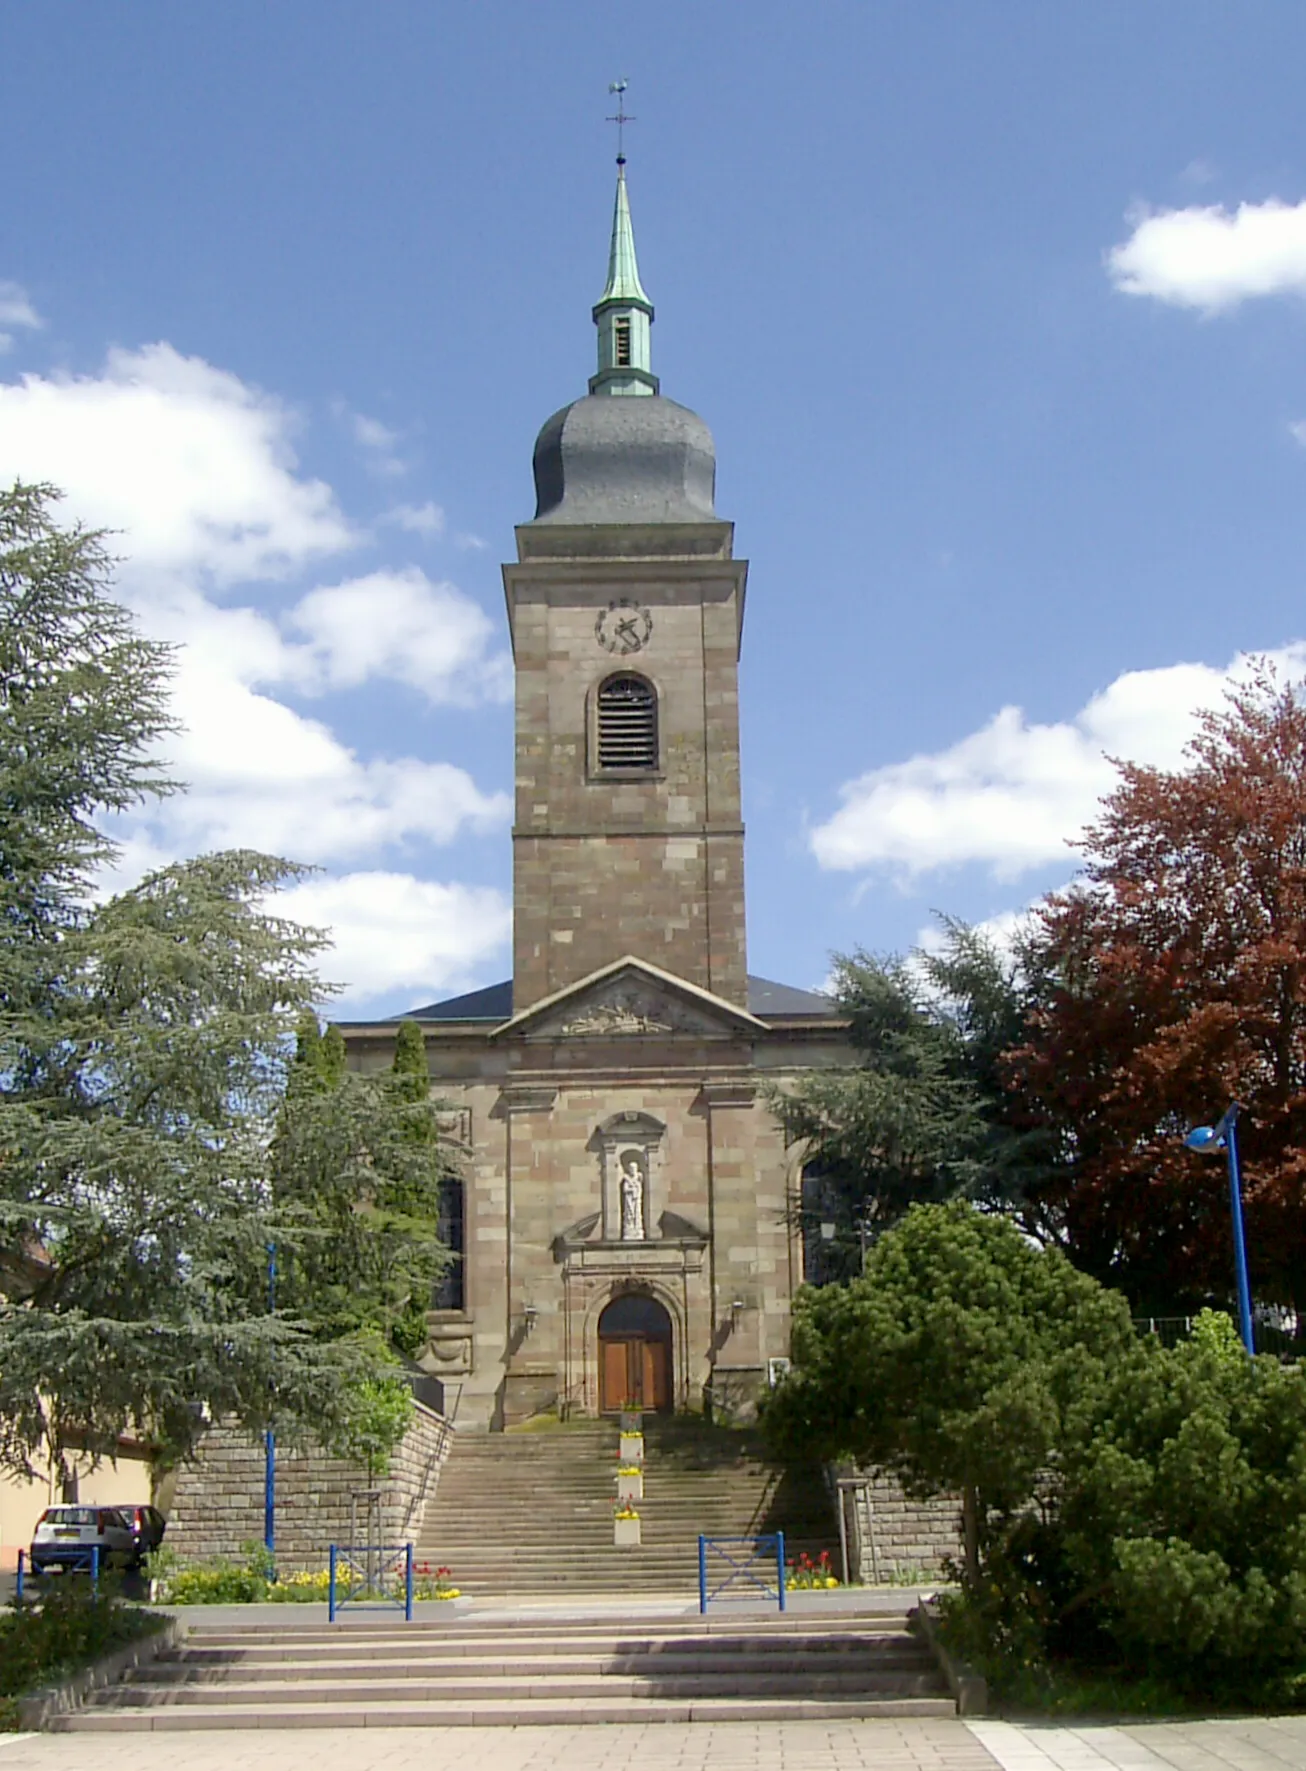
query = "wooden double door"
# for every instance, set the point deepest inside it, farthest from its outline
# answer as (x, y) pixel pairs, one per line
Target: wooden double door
(635, 1355)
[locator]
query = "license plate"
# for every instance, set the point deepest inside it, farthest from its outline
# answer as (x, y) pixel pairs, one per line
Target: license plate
(68, 1536)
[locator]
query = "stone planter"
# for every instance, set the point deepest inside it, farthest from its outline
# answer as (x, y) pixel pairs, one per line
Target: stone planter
(625, 1532)
(630, 1487)
(631, 1450)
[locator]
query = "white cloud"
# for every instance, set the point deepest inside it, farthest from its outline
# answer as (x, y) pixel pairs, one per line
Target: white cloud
(196, 472)
(372, 434)
(400, 625)
(394, 932)
(418, 519)
(194, 467)
(1012, 795)
(260, 775)
(1212, 258)
(378, 440)
(16, 309)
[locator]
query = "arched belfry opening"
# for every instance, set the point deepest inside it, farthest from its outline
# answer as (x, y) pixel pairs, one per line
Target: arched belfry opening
(635, 1355)
(627, 724)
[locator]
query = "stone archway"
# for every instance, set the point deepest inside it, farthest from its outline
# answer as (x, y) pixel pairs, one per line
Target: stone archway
(635, 1362)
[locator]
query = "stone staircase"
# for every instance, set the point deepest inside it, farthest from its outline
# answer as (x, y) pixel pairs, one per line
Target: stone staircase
(366, 1673)
(531, 1512)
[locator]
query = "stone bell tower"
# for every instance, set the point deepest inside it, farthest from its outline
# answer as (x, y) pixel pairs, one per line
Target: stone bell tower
(626, 611)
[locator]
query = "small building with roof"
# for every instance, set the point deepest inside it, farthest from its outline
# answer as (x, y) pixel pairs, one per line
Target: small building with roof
(627, 1229)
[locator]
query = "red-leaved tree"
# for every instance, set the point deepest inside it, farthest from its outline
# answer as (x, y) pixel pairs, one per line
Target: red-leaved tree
(1168, 982)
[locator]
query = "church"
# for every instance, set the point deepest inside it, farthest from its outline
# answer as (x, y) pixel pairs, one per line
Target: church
(627, 1229)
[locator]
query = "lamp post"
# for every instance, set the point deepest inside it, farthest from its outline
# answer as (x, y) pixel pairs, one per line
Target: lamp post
(1207, 1138)
(270, 1438)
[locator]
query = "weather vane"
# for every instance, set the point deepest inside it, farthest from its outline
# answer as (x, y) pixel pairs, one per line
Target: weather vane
(621, 119)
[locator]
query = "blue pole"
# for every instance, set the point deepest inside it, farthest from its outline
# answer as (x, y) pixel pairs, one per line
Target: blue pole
(702, 1575)
(95, 1567)
(20, 1574)
(269, 1438)
(408, 1583)
(780, 1565)
(1239, 1241)
(270, 1491)
(331, 1586)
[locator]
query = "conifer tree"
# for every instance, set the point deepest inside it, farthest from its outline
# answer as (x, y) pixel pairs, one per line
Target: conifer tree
(144, 1044)
(358, 1174)
(923, 1114)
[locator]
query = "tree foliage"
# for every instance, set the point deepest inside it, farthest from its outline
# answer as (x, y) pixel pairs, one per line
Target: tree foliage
(375, 1421)
(1169, 982)
(143, 1068)
(1125, 1506)
(357, 1175)
(952, 1362)
(1178, 1537)
(924, 1114)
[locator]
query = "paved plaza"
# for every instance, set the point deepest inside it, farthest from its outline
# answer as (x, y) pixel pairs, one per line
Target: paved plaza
(1259, 1744)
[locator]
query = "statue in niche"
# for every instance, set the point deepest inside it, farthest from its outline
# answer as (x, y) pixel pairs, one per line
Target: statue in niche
(633, 1177)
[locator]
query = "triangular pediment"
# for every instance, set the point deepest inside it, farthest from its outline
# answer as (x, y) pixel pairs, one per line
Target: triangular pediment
(631, 999)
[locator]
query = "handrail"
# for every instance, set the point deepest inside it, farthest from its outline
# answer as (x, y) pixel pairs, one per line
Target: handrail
(771, 1544)
(87, 1554)
(373, 1569)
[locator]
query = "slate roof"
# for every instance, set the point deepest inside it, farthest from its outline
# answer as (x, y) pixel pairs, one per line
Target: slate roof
(767, 1000)
(614, 459)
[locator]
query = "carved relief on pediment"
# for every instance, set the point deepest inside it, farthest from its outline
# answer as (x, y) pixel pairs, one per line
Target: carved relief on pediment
(625, 1009)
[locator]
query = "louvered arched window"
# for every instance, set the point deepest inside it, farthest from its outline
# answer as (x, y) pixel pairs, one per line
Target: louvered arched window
(627, 724)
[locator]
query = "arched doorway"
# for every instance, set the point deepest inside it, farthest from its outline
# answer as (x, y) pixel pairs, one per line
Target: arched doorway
(634, 1354)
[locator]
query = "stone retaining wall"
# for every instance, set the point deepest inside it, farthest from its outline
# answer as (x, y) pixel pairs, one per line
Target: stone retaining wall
(893, 1538)
(217, 1504)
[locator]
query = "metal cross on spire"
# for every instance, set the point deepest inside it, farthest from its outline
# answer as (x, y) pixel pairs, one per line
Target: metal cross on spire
(622, 118)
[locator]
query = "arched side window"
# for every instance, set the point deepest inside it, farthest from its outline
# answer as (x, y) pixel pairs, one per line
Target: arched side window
(627, 724)
(450, 1290)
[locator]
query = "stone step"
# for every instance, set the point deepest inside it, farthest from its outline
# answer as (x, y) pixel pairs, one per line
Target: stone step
(676, 1658)
(655, 1533)
(516, 1712)
(423, 1687)
(462, 1671)
(476, 1632)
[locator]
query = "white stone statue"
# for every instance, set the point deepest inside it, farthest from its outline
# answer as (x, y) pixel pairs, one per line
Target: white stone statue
(632, 1196)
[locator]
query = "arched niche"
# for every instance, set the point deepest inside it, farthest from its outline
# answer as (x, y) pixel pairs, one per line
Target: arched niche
(630, 1143)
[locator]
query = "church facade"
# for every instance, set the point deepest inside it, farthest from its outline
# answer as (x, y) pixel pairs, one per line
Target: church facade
(628, 1229)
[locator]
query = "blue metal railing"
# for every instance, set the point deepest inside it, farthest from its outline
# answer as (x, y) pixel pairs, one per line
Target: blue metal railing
(78, 1556)
(370, 1575)
(743, 1557)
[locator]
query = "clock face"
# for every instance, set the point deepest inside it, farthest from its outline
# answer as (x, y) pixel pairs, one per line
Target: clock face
(623, 627)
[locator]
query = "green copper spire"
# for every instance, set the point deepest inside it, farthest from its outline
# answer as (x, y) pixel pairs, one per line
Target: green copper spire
(623, 272)
(624, 314)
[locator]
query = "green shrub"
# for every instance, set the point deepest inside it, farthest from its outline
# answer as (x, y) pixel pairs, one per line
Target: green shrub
(1170, 1545)
(215, 1582)
(66, 1625)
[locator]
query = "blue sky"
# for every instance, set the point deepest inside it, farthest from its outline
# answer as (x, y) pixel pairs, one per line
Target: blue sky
(997, 313)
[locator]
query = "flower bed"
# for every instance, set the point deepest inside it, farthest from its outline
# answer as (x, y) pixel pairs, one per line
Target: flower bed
(255, 1582)
(806, 1575)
